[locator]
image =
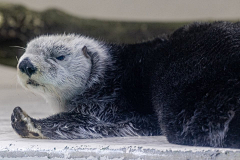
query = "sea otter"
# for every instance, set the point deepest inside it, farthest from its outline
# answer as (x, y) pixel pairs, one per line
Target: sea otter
(185, 86)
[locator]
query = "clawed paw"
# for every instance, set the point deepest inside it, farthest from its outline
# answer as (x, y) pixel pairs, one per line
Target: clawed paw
(23, 124)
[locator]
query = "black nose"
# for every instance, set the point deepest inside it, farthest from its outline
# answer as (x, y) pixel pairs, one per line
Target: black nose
(27, 67)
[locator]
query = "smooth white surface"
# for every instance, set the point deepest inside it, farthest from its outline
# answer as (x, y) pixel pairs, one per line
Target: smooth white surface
(12, 146)
(142, 10)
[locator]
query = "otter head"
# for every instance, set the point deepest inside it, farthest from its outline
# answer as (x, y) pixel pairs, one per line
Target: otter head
(57, 67)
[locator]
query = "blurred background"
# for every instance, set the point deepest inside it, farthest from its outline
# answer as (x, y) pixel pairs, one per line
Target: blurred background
(118, 21)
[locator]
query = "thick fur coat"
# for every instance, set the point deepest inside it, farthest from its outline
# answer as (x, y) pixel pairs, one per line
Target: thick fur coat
(185, 86)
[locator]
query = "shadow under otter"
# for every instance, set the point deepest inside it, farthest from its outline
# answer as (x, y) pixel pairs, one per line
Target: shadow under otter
(185, 86)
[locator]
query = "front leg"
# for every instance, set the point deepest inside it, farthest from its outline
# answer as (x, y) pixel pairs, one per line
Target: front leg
(76, 125)
(24, 125)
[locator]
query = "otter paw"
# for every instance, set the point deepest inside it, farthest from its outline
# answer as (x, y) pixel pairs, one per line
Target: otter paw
(24, 125)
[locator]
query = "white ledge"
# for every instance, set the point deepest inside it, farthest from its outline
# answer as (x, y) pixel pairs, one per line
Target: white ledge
(110, 148)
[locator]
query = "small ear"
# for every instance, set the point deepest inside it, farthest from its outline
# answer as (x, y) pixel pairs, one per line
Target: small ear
(85, 52)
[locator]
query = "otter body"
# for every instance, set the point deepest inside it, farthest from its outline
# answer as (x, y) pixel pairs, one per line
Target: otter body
(185, 86)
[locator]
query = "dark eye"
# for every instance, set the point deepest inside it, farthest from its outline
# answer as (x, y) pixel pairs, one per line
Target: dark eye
(60, 58)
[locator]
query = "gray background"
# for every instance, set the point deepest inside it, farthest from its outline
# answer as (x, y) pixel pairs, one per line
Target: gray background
(142, 10)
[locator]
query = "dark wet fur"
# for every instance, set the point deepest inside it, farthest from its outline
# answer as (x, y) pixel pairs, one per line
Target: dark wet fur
(189, 81)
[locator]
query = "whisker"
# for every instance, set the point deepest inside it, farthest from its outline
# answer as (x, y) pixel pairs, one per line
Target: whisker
(18, 47)
(16, 82)
(17, 58)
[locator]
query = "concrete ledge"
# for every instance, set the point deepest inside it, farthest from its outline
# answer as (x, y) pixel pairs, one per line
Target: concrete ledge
(149, 148)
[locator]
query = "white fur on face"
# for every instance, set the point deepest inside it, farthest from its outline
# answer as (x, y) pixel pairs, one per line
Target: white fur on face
(59, 80)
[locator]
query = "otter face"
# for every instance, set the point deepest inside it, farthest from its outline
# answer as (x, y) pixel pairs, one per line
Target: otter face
(55, 66)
